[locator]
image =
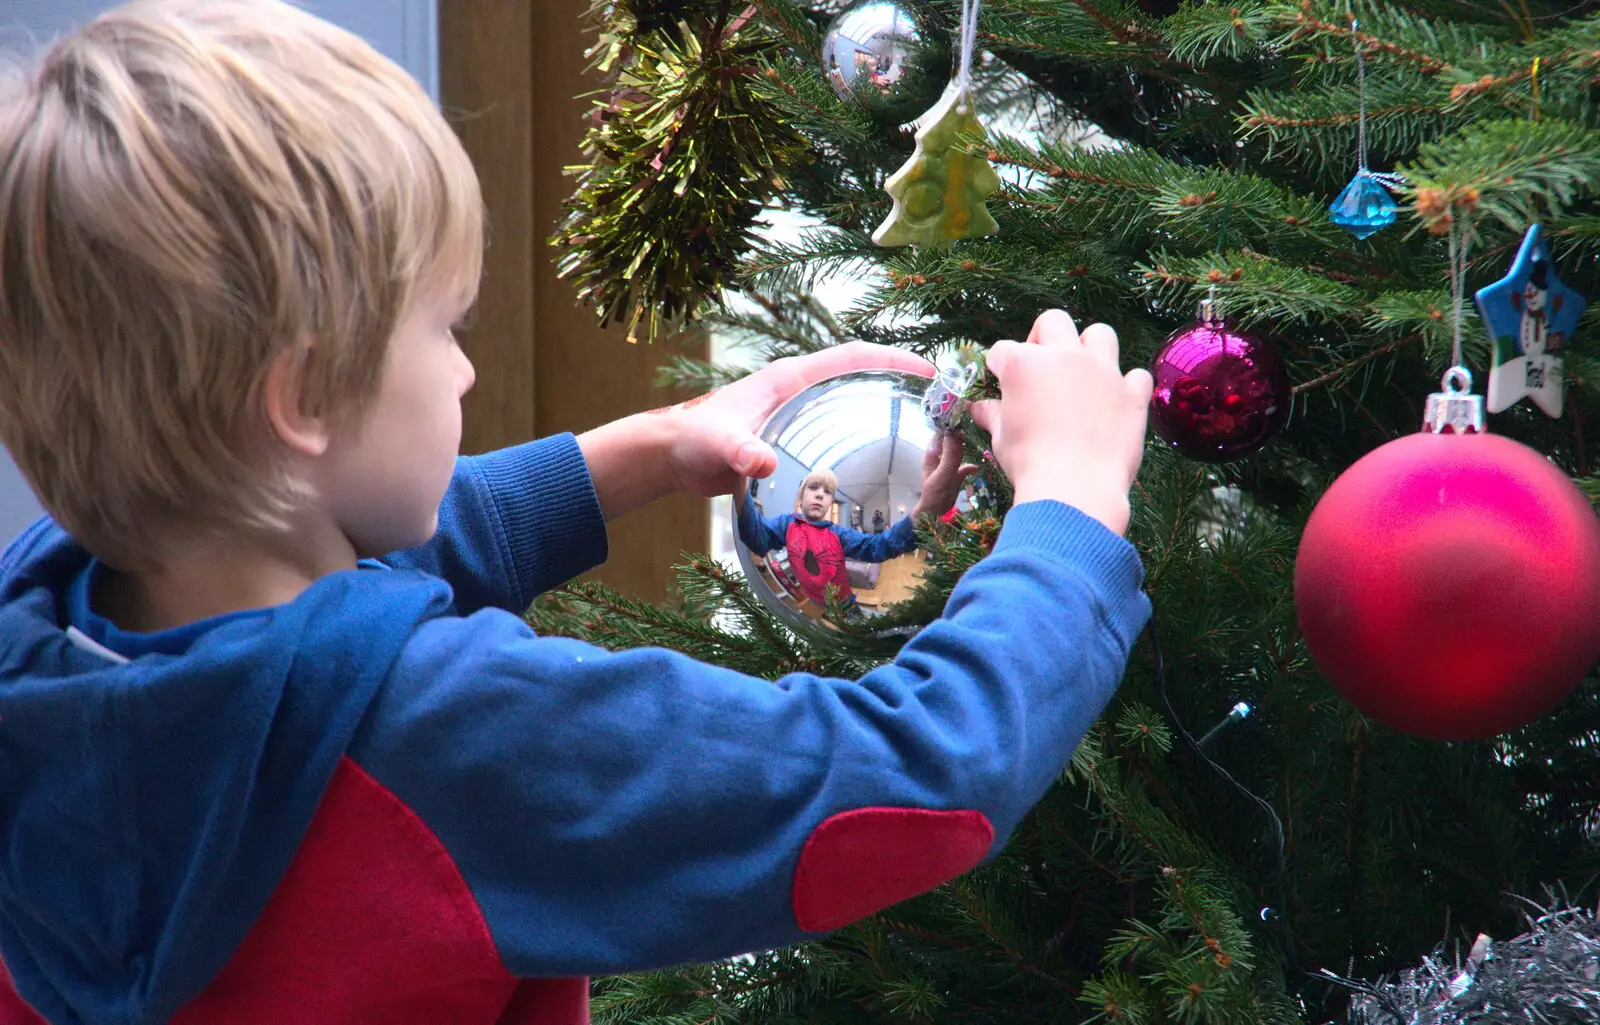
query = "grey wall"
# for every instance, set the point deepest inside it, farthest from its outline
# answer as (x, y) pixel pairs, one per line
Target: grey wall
(405, 30)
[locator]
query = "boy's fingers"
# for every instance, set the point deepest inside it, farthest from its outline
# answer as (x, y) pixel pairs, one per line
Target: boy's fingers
(751, 457)
(985, 412)
(839, 359)
(941, 458)
(950, 457)
(803, 371)
(1054, 327)
(1141, 384)
(1101, 340)
(999, 358)
(783, 379)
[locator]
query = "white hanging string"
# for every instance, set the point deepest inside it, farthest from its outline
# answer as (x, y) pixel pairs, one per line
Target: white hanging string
(1458, 261)
(1458, 378)
(1361, 87)
(969, 40)
(1390, 179)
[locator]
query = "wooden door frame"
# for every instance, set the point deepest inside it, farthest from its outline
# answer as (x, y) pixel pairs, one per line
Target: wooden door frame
(512, 76)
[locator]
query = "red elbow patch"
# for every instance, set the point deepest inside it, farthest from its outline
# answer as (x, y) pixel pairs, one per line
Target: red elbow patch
(862, 861)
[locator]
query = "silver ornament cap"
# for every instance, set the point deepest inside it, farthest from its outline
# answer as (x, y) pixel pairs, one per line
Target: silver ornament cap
(1454, 409)
(945, 401)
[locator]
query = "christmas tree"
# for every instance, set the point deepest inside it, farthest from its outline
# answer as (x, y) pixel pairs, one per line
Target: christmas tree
(1150, 155)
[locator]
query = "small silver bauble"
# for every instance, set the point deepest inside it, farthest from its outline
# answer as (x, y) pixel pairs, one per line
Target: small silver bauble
(869, 431)
(887, 55)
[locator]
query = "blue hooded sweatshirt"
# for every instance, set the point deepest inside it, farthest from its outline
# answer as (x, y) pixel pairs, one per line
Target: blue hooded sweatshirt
(584, 811)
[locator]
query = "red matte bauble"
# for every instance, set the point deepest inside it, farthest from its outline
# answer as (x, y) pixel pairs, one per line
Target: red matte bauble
(1220, 393)
(1448, 585)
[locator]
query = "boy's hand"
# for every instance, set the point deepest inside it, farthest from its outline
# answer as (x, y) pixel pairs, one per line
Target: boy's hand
(943, 473)
(714, 437)
(705, 445)
(1069, 425)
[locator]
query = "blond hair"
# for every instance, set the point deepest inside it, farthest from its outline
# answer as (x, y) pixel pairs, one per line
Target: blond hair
(824, 477)
(188, 188)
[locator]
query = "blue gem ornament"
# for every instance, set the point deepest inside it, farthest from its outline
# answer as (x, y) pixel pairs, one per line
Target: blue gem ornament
(1530, 316)
(1364, 207)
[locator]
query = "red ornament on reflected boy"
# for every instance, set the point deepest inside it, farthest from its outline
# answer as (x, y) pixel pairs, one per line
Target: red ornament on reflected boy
(1448, 585)
(1220, 393)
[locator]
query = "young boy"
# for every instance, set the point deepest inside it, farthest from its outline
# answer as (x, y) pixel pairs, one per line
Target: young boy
(817, 547)
(275, 744)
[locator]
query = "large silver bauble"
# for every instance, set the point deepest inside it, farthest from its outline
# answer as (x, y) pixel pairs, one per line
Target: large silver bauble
(870, 430)
(888, 56)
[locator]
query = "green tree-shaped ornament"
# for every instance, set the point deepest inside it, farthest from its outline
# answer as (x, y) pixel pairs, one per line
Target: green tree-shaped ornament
(939, 192)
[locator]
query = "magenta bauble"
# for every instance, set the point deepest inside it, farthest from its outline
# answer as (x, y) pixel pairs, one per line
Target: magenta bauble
(1448, 585)
(1220, 393)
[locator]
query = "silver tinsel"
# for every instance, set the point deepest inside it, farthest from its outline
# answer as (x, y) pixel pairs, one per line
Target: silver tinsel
(1550, 975)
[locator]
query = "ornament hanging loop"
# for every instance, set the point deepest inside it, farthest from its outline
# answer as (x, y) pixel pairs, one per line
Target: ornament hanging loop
(1363, 170)
(968, 42)
(946, 401)
(1206, 309)
(1454, 409)
(1361, 86)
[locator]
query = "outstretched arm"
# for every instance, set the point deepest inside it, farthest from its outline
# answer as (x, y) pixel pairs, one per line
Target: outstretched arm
(897, 540)
(513, 524)
(757, 534)
(620, 811)
(942, 475)
(521, 520)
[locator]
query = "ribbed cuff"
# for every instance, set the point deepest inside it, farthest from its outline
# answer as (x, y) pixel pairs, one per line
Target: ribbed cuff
(1108, 561)
(554, 527)
(904, 535)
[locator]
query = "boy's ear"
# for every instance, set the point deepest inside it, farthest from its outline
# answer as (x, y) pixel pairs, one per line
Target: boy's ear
(303, 432)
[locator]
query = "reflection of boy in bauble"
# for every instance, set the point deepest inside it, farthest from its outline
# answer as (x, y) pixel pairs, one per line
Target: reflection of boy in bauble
(818, 547)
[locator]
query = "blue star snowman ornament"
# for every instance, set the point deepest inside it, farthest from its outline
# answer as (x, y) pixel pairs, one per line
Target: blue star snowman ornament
(1530, 315)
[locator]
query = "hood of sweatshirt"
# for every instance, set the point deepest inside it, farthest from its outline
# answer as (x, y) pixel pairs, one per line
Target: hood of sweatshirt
(149, 807)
